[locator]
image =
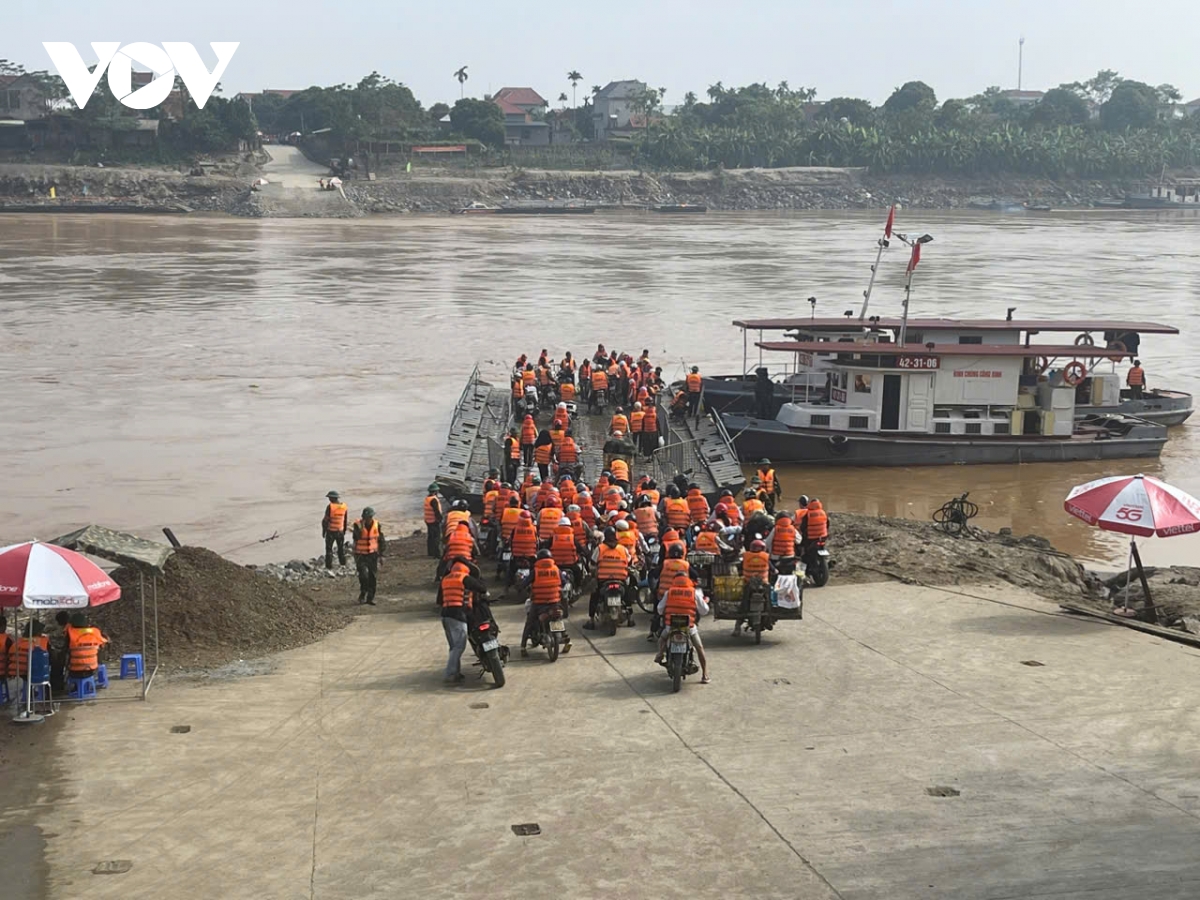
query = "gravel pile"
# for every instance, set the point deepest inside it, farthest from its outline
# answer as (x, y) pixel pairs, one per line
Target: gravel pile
(212, 611)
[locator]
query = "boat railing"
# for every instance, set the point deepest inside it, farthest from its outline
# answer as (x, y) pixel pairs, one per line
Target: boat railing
(472, 382)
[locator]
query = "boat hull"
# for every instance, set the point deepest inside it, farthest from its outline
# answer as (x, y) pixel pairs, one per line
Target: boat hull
(756, 439)
(735, 395)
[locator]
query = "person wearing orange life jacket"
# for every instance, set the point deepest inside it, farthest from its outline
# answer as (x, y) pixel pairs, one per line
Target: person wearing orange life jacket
(697, 504)
(585, 381)
(646, 517)
(1136, 380)
(694, 390)
(558, 433)
(529, 435)
(671, 538)
(816, 523)
(518, 390)
(509, 518)
(524, 544)
(637, 418)
(599, 392)
(650, 489)
(620, 472)
(528, 376)
(586, 510)
(543, 452)
(545, 598)
(459, 512)
(433, 525)
(83, 647)
(782, 538)
(512, 455)
(455, 597)
(548, 518)
(33, 637)
(567, 392)
(567, 490)
(707, 541)
(619, 421)
(369, 546)
(683, 598)
(649, 428)
(460, 543)
(756, 566)
(333, 528)
(612, 564)
(568, 455)
(544, 495)
(752, 504)
(628, 537)
(579, 527)
(800, 516)
(770, 485)
(675, 511)
(529, 492)
(565, 548)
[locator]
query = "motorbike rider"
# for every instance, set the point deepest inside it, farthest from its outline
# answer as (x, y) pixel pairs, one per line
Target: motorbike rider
(756, 564)
(629, 538)
(545, 598)
(816, 523)
(782, 538)
(684, 598)
(612, 563)
(565, 549)
(674, 510)
(758, 525)
(663, 577)
(456, 588)
(524, 545)
(801, 514)
(751, 504)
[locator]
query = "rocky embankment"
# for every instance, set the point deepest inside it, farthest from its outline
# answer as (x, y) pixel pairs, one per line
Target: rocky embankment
(443, 190)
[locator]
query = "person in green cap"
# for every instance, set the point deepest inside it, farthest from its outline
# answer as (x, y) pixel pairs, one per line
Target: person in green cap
(433, 522)
(333, 528)
(368, 549)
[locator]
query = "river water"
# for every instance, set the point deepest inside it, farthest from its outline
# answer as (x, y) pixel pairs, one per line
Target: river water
(219, 376)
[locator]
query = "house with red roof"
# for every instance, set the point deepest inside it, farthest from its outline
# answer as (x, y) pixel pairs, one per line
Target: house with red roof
(524, 111)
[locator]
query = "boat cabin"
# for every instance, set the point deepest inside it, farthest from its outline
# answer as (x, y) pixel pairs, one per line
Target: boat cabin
(951, 388)
(1184, 191)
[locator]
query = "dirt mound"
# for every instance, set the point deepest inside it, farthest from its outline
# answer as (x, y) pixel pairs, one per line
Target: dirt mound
(867, 549)
(212, 611)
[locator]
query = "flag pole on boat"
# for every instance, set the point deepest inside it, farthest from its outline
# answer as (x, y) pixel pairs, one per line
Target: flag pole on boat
(915, 243)
(883, 245)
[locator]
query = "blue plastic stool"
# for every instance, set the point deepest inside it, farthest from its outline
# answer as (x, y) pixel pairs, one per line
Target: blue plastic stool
(101, 676)
(82, 688)
(131, 666)
(40, 693)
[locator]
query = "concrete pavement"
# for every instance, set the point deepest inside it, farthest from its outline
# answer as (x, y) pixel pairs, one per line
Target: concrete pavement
(803, 771)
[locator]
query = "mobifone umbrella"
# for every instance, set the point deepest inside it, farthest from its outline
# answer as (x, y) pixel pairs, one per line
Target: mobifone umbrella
(1135, 505)
(44, 576)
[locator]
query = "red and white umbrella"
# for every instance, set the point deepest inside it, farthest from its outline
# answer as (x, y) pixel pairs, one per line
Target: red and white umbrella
(1135, 505)
(43, 576)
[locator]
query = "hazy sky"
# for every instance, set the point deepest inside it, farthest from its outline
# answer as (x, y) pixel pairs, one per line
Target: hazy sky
(862, 48)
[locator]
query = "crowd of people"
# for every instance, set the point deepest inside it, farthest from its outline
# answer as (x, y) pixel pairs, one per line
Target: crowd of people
(542, 515)
(72, 644)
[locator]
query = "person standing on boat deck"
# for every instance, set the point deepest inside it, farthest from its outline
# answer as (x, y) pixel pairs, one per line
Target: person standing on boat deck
(1136, 379)
(433, 524)
(694, 385)
(529, 435)
(369, 544)
(333, 529)
(764, 394)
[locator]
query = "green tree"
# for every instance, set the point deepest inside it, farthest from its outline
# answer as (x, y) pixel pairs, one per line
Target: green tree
(852, 109)
(1098, 88)
(1132, 104)
(952, 114)
(992, 102)
(1060, 106)
(439, 111)
(478, 119)
(562, 98)
(912, 95)
(387, 107)
(461, 77)
(574, 77)
(266, 109)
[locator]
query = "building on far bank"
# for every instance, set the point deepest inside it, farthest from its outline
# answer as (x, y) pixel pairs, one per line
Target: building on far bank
(1023, 98)
(251, 96)
(21, 99)
(612, 108)
(524, 111)
(1191, 108)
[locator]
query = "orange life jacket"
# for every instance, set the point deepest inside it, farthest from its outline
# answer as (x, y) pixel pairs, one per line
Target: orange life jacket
(619, 469)
(431, 517)
(578, 527)
(524, 539)
(670, 568)
(460, 543)
(628, 539)
(670, 538)
(336, 514)
(751, 506)
(697, 505)
(508, 521)
(647, 519)
(784, 543)
(612, 501)
(588, 512)
(450, 523)
(612, 563)
(693, 382)
(568, 454)
(531, 492)
(518, 388)
(528, 377)
(706, 542)
(368, 538)
(556, 437)
(542, 453)
(83, 649)
(566, 391)
(816, 524)
(681, 601)
(528, 432)
(548, 520)
(756, 565)
(568, 492)
(735, 514)
(653, 494)
(599, 380)
(547, 583)
(619, 422)
(563, 548)
(650, 422)
(1136, 377)
(490, 499)
(18, 657)
(514, 447)
(454, 592)
(636, 418)
(678, 513)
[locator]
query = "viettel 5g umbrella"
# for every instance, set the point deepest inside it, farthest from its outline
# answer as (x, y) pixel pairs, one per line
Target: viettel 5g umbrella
(43, 576)
(1135, 505)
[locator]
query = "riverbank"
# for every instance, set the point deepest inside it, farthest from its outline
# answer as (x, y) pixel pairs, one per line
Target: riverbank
(433, 190)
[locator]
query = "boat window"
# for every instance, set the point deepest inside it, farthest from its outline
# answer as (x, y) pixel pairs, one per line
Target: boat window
(818, 419)
(974, 428)
(941, 427)
(843, 379)
(970, 339)
(862, 383)
(1001, 428)
(914, 337)
(859, 421)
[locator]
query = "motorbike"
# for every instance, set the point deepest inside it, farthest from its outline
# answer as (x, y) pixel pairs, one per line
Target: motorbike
(549, 631)
(503, 558)
(613, 611)
(524, 568)
(487, 537)
(483, 634)
(681, 656)
(817, 562)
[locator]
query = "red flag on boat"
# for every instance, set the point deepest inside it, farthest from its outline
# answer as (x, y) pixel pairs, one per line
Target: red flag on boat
(916, 257)
(887, 229)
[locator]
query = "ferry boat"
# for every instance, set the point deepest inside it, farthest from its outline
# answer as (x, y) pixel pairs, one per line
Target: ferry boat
(930, 403)
(1183, 194)
(1100, 392)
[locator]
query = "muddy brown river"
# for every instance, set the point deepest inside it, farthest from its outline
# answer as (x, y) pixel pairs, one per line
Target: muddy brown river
(219, 376)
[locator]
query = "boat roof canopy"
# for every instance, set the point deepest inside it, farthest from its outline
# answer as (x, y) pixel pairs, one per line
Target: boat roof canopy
(1029, 325)
(880, 349)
